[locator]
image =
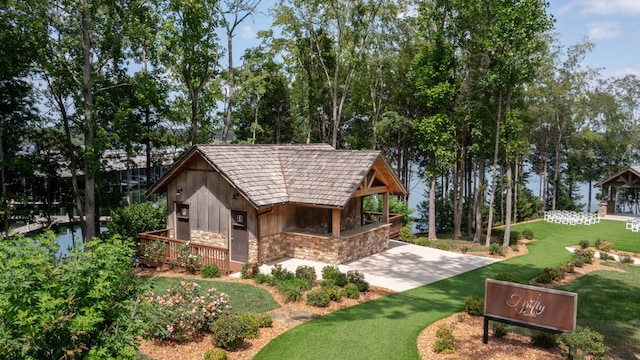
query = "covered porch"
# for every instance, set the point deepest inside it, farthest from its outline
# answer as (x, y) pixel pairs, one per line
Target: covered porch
(620, 193)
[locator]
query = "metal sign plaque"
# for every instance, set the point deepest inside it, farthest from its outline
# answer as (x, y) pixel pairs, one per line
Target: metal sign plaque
(545, 308)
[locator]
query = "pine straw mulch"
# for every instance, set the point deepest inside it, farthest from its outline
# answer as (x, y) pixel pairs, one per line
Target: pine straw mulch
(467, 329)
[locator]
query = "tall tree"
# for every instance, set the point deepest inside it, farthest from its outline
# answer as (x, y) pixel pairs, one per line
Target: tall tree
(190, 51)
(232, 14)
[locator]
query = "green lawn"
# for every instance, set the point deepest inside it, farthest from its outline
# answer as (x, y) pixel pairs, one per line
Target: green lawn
(243, 298)
(387, 328)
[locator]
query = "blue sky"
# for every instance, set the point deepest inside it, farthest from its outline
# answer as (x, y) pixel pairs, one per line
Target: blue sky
(613, 25)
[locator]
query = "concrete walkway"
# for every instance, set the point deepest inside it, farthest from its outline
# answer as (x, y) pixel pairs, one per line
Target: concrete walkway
(401, 267)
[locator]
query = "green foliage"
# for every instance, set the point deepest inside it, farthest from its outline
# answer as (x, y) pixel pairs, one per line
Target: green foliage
(354, 276)
(441, 245)
(604, 245)
(307, 273)
(626, 259)
(544, 339)
(210, 271)
(250, 324)
(181, 313)
(154, 253)
(215, 354)
(129, 221)
(598, 243)
(331, 272)
(264, 320)
(527, 234)
(350, 291)
(333, 291)
(280, 273)
(474, 305)
(422, 241)
(584, 244)
(228, 332)
(499, 329)
(496, 249)
(582, 343)
(550, 275)
(82, 307)
(606, 257)
(249, 270)
(514, 236)
(318, 297)
(508, 277)
(373, 203)
(445, 341)
(292, 288)
(406, 235)
(581, 257)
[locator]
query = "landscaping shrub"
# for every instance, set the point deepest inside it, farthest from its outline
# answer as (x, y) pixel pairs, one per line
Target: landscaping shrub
(508, 277)
(210, 271)
(499, 329)
(498, 233)
(441, 245)
(362, 285)
(598, 243)
(474, 305)
(544, 339)
(215, 354)
(182, 313)
(354, 276)
(318, 298)
(350, 291)
(331, 272)
(527, 234)
(550, 275)
(333, 291)
(186, 258)
(515, 248)
(567, 268)
(606, 257)
(626, 259)
(604, 246)
(154, 253)
(264, 320)
(422, 241)
(583, 342)
(263, 279)
(250, 324)
(406, 235)
(280, 273)
(228, 332)
(581, 257)
(584, 244)
(249, 270)
(496, 249)
(131, 220)
(293, 288)
(307, 273)
(514, 236)
(445, 342)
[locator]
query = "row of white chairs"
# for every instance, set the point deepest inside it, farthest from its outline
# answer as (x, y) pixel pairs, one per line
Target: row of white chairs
(633, 225)
(571, 217)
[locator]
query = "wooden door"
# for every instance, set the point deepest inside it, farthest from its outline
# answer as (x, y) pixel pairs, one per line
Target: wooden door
(183, 230)
(239, 237)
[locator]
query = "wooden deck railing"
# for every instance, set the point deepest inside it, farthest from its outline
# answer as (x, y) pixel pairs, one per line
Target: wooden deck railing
(394, 219)
(207, 254)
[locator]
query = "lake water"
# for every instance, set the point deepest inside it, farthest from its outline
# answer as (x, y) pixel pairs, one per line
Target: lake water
(67, 234)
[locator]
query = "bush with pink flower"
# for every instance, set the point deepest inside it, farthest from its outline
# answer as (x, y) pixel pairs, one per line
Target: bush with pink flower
(182, 313)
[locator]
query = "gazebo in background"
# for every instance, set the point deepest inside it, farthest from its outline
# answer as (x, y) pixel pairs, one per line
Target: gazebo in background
(614, 191)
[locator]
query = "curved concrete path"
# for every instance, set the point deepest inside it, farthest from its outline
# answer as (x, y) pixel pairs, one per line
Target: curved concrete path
(401, 267)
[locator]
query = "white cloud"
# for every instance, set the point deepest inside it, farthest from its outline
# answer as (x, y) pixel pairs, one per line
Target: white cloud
(604, 30)
(247, 33)
(602, 7)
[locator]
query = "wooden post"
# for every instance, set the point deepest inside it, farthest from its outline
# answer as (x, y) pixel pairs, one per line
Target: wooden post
(385, 207)
(335, 223)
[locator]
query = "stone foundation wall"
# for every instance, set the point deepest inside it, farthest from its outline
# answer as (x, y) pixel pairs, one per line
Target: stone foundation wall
(253, 250)
(210, 238)
(324, 248)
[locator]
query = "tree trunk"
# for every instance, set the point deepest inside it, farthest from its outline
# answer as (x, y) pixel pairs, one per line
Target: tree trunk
(432, 207)
(479, 201)
(556, 173)
(515, 192)
(507, 217)
(494, 171)
(89, 126)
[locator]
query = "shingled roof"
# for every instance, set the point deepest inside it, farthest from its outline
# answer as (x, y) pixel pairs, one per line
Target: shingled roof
(314, 174)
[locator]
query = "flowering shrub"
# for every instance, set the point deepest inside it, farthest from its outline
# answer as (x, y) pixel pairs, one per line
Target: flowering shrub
(182, 313)
(249, 270)
(186, 259)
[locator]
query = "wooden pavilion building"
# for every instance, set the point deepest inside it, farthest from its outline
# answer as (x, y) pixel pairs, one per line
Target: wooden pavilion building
(258, 203)
(614, 188)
